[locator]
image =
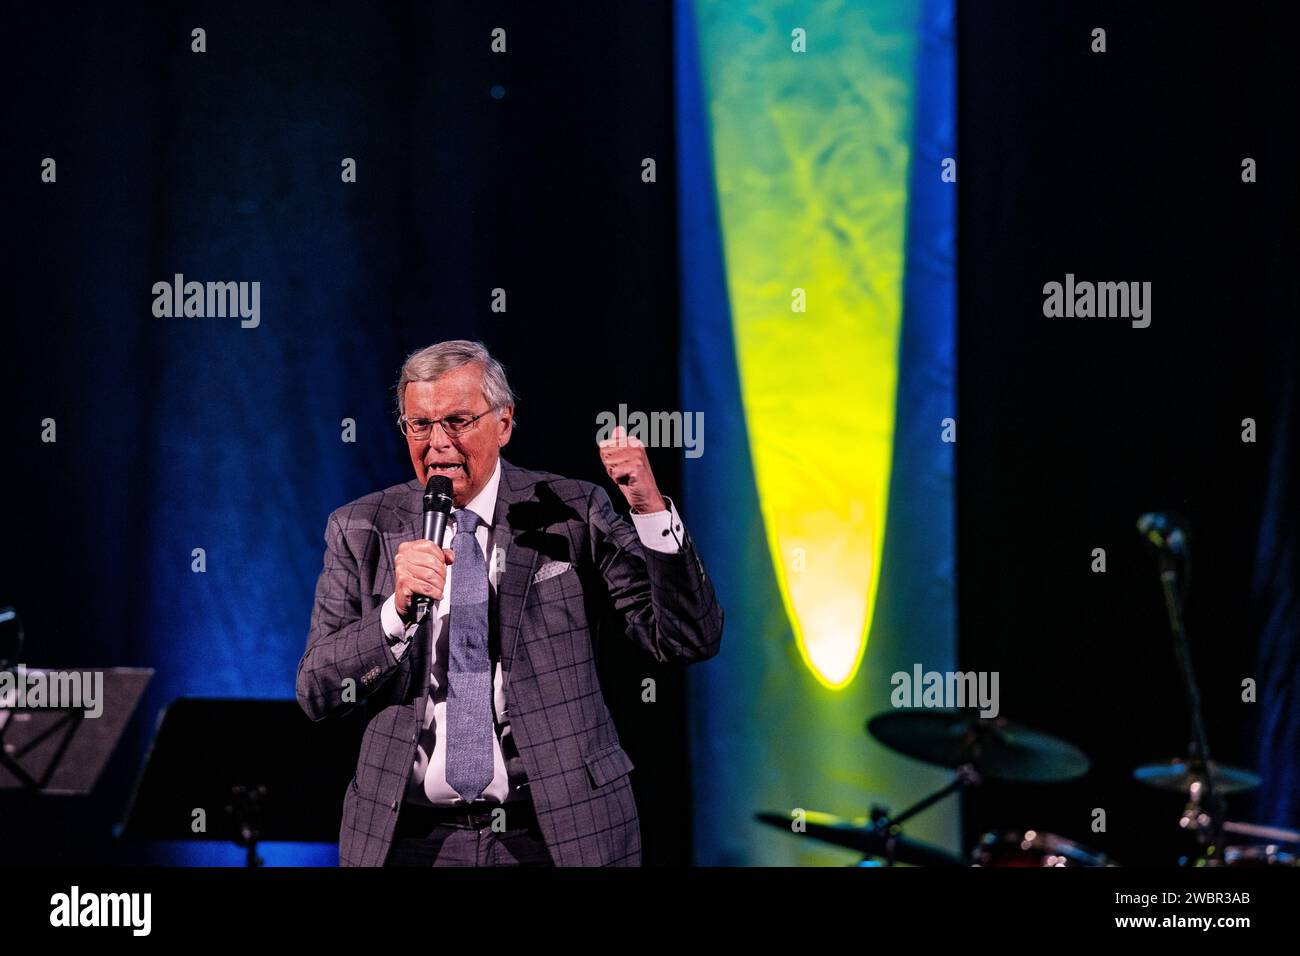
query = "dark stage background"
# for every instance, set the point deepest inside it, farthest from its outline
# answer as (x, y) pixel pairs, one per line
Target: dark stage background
(1127, 166)
(523, 172)
(475, 171)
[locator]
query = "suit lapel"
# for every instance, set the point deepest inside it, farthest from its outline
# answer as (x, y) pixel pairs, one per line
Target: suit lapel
(520, 560)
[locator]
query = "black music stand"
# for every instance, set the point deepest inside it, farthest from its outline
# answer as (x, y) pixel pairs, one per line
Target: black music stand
(62, 752)
(258, 769)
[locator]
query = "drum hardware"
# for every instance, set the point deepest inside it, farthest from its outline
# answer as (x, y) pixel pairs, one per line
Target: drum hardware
(1033, 848)
(994, 749)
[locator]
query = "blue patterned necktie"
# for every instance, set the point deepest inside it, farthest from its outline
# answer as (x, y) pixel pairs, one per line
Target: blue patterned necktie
(469, 667)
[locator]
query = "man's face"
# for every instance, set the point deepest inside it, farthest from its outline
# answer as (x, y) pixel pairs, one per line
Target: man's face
(468, 458)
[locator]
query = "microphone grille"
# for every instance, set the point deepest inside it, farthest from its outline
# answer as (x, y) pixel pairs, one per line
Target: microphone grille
(438, 486)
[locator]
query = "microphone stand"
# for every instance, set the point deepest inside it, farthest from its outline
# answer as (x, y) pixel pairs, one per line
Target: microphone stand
(1205, 811)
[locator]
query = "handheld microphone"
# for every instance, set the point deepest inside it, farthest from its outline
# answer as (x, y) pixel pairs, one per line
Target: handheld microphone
(437, 506)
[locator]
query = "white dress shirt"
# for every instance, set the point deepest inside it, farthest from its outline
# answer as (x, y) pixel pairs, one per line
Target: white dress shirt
(428, 782)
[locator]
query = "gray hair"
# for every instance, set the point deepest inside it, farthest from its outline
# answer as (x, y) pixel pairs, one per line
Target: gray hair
(427, 364)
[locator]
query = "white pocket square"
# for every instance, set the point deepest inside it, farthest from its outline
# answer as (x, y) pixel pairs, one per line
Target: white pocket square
(550, 569)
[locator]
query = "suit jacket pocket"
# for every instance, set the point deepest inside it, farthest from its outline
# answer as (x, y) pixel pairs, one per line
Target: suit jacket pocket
(607, 765)
(555, 590)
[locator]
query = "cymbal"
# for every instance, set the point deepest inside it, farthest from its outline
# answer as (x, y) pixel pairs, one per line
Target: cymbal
(860, 835)
(998, 749)
(1177, 775)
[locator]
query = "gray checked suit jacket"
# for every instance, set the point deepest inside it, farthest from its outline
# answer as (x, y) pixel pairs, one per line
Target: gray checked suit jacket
(545, 634)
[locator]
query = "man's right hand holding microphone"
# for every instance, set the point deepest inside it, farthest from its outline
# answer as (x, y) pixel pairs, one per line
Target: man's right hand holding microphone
(420, 567)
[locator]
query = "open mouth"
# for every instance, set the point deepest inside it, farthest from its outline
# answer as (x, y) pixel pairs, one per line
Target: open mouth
(448, 468)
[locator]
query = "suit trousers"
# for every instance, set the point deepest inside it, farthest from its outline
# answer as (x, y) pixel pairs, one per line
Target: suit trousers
(442, 837)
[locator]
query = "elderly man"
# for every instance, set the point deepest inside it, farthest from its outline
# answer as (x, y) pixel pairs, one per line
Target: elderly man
(488, 741)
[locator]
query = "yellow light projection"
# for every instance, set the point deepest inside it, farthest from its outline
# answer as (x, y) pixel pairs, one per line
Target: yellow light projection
(810, 156)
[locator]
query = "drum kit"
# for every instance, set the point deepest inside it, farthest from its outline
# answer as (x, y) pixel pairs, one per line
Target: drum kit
(994, 750)
(981, 750)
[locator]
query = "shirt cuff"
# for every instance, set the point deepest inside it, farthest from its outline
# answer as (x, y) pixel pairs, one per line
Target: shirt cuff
(661, 530)
(399, 635)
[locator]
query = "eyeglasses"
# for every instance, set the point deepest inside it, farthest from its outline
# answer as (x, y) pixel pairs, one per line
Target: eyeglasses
(421, 428)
